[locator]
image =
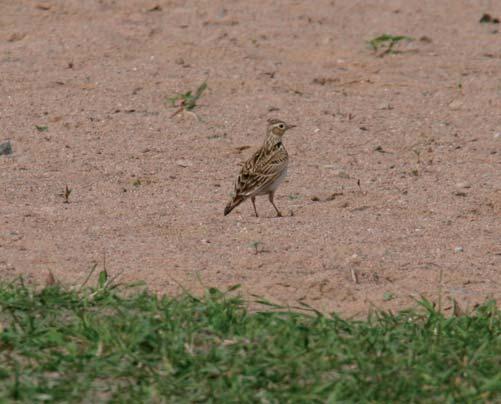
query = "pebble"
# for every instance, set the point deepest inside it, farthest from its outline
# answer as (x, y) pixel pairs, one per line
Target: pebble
(463, 185)
(340, 174)
(497, 135)
(337, 172)
(355, 259)
(184, 163)
(458, 249)
(455, 105)
(5, 148)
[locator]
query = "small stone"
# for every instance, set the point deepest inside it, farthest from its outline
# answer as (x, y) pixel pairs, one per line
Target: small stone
(5, 148)
(184, 163)
(155, 7)
(221, 13)
(458, 249)
(497, 135)
(16, 36)
(43, 6)
(463, 185)
(340, 174)
(333, 196)
(456, 104)
(355, 260)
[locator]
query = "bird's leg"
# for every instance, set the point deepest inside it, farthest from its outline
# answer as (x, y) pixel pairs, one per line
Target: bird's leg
(253, 199)
(270, 196)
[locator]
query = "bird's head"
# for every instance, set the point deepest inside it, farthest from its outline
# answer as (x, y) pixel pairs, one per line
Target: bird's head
(278, 127)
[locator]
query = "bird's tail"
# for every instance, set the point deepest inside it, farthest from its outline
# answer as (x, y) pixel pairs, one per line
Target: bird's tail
(237, 200)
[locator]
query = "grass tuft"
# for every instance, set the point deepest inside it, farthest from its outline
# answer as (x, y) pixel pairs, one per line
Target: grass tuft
(110, 343)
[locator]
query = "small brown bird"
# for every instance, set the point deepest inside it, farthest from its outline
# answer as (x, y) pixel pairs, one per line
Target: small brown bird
(265, 170)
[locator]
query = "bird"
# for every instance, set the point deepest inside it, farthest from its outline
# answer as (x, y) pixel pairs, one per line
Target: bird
(264, 171)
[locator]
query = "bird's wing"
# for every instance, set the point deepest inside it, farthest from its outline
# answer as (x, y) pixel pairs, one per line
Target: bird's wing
(262, 169)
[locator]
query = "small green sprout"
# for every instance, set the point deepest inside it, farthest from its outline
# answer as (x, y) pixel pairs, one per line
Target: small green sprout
(188, 101)
(42, 128)
(387, 296)
(257, 246)
(387, 41)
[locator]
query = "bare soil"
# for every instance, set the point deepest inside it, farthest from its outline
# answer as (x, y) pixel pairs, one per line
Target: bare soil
(418, 129)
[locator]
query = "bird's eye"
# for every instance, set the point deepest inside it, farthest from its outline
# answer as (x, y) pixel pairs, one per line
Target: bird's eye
(281, 126)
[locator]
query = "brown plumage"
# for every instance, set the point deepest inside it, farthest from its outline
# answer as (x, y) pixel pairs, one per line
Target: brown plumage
(265, 170)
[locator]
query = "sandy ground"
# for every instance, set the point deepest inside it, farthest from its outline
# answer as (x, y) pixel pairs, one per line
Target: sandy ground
(419, 129)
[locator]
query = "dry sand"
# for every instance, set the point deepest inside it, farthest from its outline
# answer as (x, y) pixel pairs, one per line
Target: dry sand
(417, 128)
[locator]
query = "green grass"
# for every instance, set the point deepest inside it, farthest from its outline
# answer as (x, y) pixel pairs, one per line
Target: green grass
(126, 345)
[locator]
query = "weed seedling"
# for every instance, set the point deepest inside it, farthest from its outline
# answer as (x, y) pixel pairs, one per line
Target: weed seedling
(417, 152)
(187, 101)
(387, 42)
(42, 128)
(67, 193)
(257, 246)
(488, 19)
(387, 296)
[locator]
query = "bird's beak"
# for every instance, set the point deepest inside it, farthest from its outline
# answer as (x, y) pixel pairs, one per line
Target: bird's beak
(291, 126)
